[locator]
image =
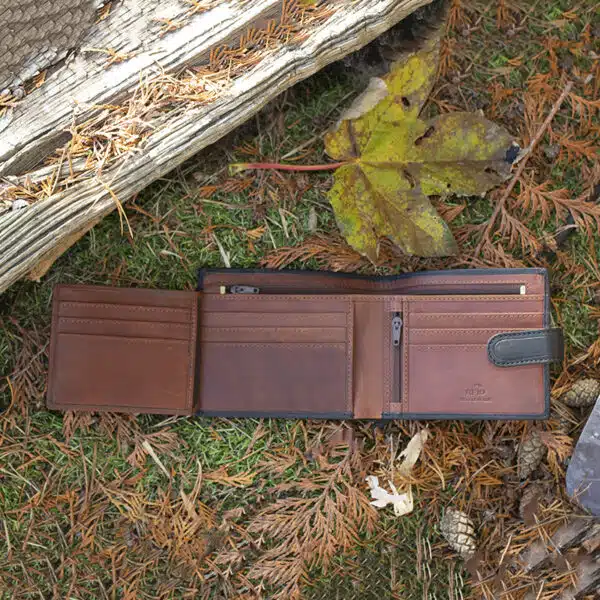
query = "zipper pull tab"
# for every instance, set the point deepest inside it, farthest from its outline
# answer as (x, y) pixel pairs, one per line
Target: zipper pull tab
(243, 289)
(396, 330)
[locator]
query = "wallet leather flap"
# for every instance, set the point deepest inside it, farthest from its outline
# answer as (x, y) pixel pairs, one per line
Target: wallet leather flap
(515, 348)
(122, 349)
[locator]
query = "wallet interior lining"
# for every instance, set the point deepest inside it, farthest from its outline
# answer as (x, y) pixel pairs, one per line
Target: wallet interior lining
(435, 379)
(305, 348)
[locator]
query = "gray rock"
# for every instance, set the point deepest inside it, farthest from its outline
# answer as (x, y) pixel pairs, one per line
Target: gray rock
(583, 474)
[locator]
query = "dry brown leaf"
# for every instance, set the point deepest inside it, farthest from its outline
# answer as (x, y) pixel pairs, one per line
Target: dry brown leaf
(402, 503)
(411, 453)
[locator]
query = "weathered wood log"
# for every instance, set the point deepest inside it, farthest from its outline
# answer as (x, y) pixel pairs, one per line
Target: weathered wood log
(578, 534)
(573, 534)
(131, 41)
(587, 576)
(37, 126)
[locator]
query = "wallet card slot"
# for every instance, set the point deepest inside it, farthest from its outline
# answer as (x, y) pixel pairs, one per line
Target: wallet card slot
(120, 296)
(273, 319)
(276, 379)
(459, 380)
(448, 320)
(280, 304)
(128, 373)
(417, 336)
(124, 328)
(273, 334)
(124, 312)
(477, 305)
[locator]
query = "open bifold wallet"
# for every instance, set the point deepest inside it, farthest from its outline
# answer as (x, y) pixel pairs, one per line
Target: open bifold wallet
(448, 344)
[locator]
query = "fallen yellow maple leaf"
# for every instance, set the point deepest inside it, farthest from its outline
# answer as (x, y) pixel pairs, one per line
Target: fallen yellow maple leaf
(393, 161)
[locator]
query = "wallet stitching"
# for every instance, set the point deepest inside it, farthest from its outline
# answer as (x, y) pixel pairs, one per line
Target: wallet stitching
(132, 307)
(366, 298)
(519, 281)
(514, 363)
(446, 346)
(124, 338)
(398, 299)
(340, 298)
(539, 359)
(349, 354)
(192, 353)
(473, 298)
(404, 391)
(291, 328)
(134, 408)
(122, 322)
(297, 316)
(480, 315)
(340, 345)
(462, 331)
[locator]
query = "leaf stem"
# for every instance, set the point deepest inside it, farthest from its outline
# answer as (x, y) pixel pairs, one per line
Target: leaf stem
(287, 167)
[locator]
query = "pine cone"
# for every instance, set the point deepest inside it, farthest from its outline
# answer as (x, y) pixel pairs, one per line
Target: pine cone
(583, 393)
(565, 419)
(530, 494)
(531, 453)
(458, 530)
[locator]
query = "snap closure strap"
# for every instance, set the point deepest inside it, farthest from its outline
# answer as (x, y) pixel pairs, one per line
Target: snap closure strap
(530, 347)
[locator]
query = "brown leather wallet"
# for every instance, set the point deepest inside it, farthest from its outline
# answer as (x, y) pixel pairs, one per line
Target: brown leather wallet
(445, 344)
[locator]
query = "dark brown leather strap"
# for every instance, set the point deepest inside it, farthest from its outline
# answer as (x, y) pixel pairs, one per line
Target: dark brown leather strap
(517, 348)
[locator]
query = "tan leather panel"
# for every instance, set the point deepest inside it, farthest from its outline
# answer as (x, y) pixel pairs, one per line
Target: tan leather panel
(369, 360)
(287, 354)
(459, 379)
(122, 351)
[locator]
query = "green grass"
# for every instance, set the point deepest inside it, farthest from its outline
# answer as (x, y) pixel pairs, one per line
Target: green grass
(165, 252)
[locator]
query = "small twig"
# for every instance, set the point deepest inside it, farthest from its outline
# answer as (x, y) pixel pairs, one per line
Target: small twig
(523, 161)
(506, 549)
(222, 251)
(150, 450)
(58, 170)
(8, 544)
(297, 149)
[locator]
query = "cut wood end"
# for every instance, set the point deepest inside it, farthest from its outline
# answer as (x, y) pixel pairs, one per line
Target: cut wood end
(46, 261)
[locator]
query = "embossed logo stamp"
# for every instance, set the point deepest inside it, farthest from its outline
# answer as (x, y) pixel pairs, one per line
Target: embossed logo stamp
(476, 393)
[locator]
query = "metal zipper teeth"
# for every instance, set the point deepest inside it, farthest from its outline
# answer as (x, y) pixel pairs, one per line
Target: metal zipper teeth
(500, 289)
(397, 357)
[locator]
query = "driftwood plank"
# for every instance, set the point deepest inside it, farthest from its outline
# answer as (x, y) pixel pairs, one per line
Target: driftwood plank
(32, 235)
(134, 29)
(582, 534)
(574, 533)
